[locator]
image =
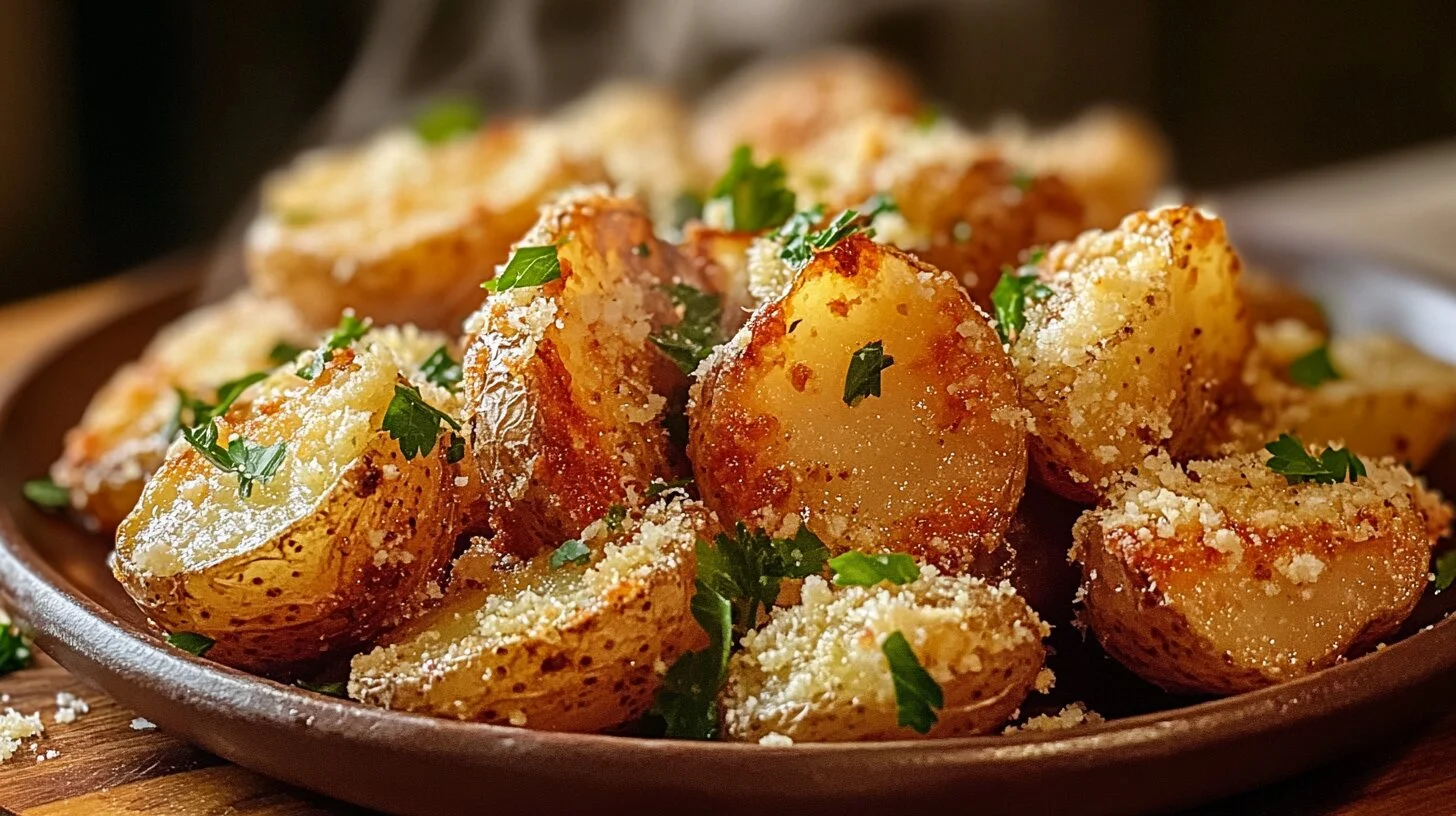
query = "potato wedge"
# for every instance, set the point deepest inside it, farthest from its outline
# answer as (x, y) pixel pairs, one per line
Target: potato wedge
(123, 436)
(1390, 400)
(574, 648)
(816, 672)
(934, 465)
(401, 231)
(345, 540)
(1220, 577)
(565, 394)
(1142, 334)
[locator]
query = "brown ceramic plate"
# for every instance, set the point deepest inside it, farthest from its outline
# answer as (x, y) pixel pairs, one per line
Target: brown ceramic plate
(1158, 752)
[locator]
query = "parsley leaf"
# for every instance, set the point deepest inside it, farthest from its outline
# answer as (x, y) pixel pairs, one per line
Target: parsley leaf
(688, 700)
(203, 413)
(1022, 180)
(528, 266)
(1446, 569)
(863, 378)
(456, 451)
(927, 117)
(284, 352)
(757, 196)
(446, 119)
(249, 460)
(746, 567)
(1313, 369)
(15, 650)
(191, 642)
(1290, 460)
(688, 206)
(442, 369)
(642, 250)
(1009, 300)
(46, 493)
(917, 695)
(571, 551)
(332, 689)
(414, 423)
(801, 241)
(862, 569)
(616, 514)
(350, 328)
(689, 341)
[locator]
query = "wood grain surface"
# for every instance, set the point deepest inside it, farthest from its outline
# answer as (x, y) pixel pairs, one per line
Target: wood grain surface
(103, 766)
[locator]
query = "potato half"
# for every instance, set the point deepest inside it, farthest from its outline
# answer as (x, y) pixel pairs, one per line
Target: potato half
(564, 392)
(1270, 300)
(1221, 577)
(572, 648)
(1390, 400)
(1140, 337)
(400, 230)
(122, 438)
(816, 673)
(934, 465)
(342, 543)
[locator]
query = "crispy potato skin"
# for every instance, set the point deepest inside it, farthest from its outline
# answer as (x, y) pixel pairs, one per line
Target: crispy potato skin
(403, 232)
(1238, 581)
(564, 392)
(340, 567)
(567, 649)
(120, 440)
(934, 466)
(1269, 300)
(1142, 336)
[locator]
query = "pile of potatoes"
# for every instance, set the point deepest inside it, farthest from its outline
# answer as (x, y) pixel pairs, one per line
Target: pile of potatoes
(537, 566)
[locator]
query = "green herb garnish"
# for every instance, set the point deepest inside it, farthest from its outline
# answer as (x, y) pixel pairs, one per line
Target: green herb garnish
(928, 116)
(350, 328)
(284, 352)
(1022, 180)
(863, 569)
(801, 241)
(46, 493)
(688, 700)
(863, 378)
(415, 424)
(442, 369)
(15, 651)
(659, 487)
(528, 266)
(1313, 369)
(445, 119)
(917, 695)
(746, 567)
(688, 206)
(1291, 460)
(1446, 569)
(689, 341)
(249, 460)
(757, 197)
(616, 514)
(1009, 300)
(191, 642)
(336, 688)
(571, 551)
(642, 250)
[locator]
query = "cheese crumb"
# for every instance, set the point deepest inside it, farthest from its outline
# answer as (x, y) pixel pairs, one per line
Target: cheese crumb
(142, 724)
(15, 728)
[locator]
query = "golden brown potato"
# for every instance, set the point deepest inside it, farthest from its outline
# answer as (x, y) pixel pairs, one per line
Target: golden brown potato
(1141, 334)
(816, 672)
(1391, 399)
(572, 648)
(1115, 161)
(1270, 300)
(934, 465)
(564, 392)
(402, 231)
(346, 539)
(123, 436)
(780, 108)
(723, 256)
(1223, 578)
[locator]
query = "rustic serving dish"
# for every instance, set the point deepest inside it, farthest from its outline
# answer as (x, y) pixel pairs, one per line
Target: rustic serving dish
(1157, 751)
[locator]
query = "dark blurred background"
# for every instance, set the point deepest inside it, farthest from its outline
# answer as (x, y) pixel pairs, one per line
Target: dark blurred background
(133, 129)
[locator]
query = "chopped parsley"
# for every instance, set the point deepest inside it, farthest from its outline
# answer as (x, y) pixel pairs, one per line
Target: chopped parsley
(571, 551)
(350, 328)
(415, 424)
(249, 460)
(746, 567)
(689, 341)
(801, 241)
(336, 688)
(757, 196)
(863, 378)
(928, 116)
(528, 266)
(642, 250)
(1022, 180)
(1010, 296)
(1313, 369)
(917, 695)
(191, 642)
(616, 514)
(688, 206)
(442, 369)
(15, 650)
(659, 487)
(193, 412)
(1290, 460)
(1446, 569)
(863, 569)
(688, 701)
(284, 352)
(445, 119)
(46, 493)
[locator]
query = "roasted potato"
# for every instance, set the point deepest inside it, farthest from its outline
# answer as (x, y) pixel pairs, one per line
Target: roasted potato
(781, 108)
(1270, 300)
(123, 436)
(347, 538)
(403, 231)
(816, 672)
(565, 393)
(723, 255)
(1142, 333)
(1221, 577)
(932, 465)
(571, 648)
(1390, 399)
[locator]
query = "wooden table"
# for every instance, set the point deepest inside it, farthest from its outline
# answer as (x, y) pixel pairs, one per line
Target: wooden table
(1403, 206)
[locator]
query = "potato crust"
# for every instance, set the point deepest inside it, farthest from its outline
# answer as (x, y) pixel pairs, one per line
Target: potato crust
(402, 231)
(576, 648)
(933, 466)
(564, 392)
(1221, 578)
(121, 439)
(816, 672)
(1142, 336)
(343, 542)
(1270, 300)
